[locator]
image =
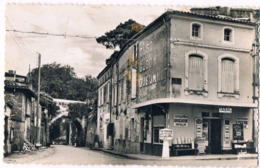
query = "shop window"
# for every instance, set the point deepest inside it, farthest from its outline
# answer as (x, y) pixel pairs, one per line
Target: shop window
(156, 138)
(228, 79)
(205, 114)
(159, 123)
(196, 30)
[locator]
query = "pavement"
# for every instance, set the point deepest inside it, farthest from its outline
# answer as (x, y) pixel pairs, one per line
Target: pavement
(21, 157)
(240, 156)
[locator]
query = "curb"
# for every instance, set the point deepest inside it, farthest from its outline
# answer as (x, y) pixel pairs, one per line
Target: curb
(138, 158)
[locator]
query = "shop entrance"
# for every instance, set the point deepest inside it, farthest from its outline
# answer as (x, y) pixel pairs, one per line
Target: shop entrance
(212, 133)
(215, 136)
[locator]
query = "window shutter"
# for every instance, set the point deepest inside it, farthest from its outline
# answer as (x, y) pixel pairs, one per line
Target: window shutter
(196, 73)
(227, 76)
(133, 83)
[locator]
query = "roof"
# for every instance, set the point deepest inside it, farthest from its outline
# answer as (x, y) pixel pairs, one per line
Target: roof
(19, 86)
(7, 74)
(164, 17)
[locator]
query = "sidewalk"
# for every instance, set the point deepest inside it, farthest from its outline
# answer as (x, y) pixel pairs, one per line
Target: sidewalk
(28, 156)
(190, 157)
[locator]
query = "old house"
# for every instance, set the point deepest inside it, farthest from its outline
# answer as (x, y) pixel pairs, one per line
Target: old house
(195, 74)
(19, 112)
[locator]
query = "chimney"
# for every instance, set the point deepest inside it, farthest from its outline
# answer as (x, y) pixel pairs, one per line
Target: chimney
(11, 71)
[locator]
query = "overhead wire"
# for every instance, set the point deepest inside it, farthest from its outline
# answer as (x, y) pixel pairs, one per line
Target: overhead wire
(22, 45)
(50, 34)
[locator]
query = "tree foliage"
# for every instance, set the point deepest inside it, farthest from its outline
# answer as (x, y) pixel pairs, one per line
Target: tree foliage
(61, 82)
(120, 35)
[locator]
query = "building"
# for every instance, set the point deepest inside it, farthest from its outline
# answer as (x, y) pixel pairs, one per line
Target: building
(20, 112)
(193, 73)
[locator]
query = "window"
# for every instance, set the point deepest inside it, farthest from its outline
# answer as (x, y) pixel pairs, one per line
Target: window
(196, 30)
(227, 75)
(228, 78)
(158, 123)
(156, 138)
(196, 73)
(227, 35)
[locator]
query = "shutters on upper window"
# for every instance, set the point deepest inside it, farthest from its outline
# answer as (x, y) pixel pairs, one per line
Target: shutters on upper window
(196, 72)
(228, 75)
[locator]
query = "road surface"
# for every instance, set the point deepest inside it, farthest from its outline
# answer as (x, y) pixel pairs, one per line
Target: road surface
(77, 155)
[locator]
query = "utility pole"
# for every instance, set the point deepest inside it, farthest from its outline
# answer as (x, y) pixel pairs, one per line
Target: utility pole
(38, 130)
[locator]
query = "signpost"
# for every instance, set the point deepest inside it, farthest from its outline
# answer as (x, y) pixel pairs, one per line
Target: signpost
(166, 135)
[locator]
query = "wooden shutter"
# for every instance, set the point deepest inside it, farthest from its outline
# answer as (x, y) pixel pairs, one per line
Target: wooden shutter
(227, 75)
(196, 72)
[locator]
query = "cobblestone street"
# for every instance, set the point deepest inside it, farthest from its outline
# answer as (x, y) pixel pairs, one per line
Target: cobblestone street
(59, 154)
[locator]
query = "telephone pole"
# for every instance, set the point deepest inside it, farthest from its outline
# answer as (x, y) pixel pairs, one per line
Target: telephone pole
(38, 130)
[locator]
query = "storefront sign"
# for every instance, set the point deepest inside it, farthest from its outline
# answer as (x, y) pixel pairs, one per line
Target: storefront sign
(225, 110)
(165, 134)
(198, 123)
(238, 133)
(180, 120)
(227, 134)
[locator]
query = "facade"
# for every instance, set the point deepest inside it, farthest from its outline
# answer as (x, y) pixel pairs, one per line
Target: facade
(195, 74)
(20, 110)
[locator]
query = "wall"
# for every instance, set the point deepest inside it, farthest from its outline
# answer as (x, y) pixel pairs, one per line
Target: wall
(244, 36)
(151, 65)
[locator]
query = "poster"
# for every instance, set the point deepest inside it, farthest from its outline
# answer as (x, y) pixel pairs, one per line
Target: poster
(238, 133)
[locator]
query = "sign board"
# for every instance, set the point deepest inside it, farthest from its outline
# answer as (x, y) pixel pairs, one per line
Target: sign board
(225, 110)
(166, 134)
(238, 133)
(180, 120)
(198, 122)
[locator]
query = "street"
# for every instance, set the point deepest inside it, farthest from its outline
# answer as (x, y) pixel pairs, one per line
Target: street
(82, 155)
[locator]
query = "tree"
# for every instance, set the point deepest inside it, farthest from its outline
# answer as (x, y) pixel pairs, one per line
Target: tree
(120, 35)
(61, 82)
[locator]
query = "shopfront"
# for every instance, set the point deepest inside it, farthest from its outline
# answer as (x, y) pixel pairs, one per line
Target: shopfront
(197, 129)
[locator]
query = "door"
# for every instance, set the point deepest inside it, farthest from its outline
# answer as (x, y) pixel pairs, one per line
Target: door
(142, 135)
(215, 136)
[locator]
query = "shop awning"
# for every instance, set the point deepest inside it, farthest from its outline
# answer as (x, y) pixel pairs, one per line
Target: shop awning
(195, 101)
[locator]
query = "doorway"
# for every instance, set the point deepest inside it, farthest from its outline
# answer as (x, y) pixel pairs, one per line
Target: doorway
(142, 135)
(212, 134)
(215, 136)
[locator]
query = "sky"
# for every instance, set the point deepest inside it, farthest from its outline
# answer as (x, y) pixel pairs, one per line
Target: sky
(85, 55)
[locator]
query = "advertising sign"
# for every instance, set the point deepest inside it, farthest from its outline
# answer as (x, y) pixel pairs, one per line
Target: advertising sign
(198, 123)
(166, 134)
(238, 133)
(180, 120)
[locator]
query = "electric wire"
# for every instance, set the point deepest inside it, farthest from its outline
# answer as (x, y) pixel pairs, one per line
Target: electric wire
(50, 34)
(22, 45)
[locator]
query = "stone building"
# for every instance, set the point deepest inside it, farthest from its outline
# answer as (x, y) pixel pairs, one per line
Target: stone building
(20, 110)
(195, 74)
